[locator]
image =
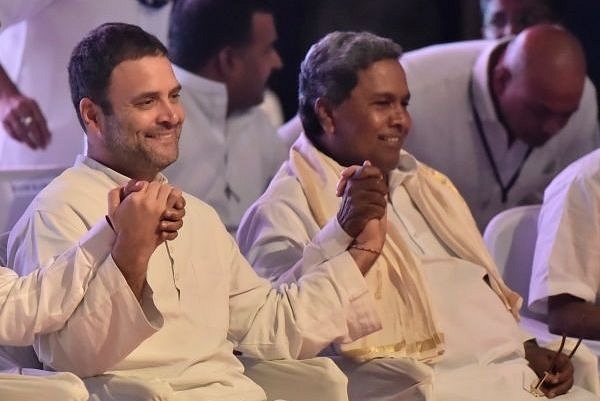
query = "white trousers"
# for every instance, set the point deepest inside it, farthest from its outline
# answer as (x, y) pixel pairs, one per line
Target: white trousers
(36, 385)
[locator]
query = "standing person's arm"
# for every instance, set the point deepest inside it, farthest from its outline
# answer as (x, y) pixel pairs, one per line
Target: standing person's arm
(21, 116)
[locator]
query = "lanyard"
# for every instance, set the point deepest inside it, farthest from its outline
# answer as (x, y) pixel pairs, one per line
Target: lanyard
(488, 151)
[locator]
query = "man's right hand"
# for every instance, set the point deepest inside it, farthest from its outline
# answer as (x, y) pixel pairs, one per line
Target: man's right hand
(172, 219)
(363, 212)
(21, 116)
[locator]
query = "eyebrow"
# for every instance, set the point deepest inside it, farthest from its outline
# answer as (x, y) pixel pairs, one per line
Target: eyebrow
(155, 94)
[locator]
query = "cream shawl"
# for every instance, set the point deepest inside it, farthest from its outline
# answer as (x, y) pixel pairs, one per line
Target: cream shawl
(395, 280)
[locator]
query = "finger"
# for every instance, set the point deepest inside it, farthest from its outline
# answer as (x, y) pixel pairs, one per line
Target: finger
(367, 171)
(13, 125)
(26, 126)
(153, 189)
(12, 128)
(170, 226)
(367, 187)
(114, 199)
(174, 197)
(164, 191)
(344, 176)
(173, 214)
(133, 186)
(168, 236)
(32, 123)
(341, 185)
(350, 171)
(180, 204)
(558, 389)
(40, 125)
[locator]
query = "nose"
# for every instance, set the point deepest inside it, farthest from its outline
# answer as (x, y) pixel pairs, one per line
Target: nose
(171, 113)
(399, 116)
(277, 62)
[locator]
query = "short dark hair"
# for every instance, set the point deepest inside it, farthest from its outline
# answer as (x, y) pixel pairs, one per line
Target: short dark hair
(200, 29)
(330, 70)
(99, 52)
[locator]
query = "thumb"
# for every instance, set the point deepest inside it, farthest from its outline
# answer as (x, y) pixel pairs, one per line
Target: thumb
(114, 199)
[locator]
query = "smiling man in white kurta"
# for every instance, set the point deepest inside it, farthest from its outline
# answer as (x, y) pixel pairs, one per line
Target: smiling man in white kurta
(211, 299)
(443, 304)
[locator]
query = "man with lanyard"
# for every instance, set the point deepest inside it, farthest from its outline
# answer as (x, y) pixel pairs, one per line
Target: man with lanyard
(501, 119)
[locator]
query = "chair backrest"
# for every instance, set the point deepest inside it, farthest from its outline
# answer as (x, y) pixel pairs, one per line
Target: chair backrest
(510, 237)
(18, 187)
(4, 248)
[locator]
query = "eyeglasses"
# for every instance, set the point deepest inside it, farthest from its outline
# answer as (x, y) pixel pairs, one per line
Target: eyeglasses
(536, 389)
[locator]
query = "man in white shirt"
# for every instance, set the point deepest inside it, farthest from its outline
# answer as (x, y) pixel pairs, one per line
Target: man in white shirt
(60, 296)
(565, 279)
(223, 54)
(501, 119)
(448, 318)
(127, 98)
(38, 125)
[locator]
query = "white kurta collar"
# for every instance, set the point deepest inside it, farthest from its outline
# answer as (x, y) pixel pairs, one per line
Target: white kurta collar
(407, 166)
(208, 95)
(119, 178)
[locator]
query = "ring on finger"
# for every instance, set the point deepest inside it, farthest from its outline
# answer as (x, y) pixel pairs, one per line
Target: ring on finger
(26, 121)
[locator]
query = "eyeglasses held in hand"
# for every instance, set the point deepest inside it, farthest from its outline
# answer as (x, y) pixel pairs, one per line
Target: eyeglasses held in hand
(536, 388)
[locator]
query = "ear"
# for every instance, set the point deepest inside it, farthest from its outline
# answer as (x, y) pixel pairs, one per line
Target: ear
(324, 112)
(501, 77)
(92, 116)
(227, 61)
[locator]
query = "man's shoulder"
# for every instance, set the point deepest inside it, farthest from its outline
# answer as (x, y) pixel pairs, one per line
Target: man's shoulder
(443, 59)
(583, 170)
(284, 191)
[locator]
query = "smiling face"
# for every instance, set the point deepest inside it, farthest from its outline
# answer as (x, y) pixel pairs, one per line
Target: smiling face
(140, 136)
(372, 123)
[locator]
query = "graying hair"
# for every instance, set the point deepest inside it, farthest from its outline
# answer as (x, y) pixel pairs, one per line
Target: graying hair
(330, 70)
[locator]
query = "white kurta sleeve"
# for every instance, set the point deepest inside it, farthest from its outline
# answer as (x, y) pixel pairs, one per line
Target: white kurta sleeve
(566, 258)
(107, 325)
(87, 316)
(321, 295)
(329, 303)
(43, 300)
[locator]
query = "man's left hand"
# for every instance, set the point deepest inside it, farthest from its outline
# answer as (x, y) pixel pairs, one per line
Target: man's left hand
(540, 360)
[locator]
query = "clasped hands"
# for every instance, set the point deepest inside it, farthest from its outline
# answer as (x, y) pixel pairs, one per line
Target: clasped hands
(362, 214)
(143, 215)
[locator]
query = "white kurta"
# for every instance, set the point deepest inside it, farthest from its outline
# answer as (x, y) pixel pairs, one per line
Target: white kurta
(46, 299)
(60, 297)
(482, 340)
(227, 161)
(36, 42)
(444, 134)
(33, 385)
(566, 257)
(211, 299)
